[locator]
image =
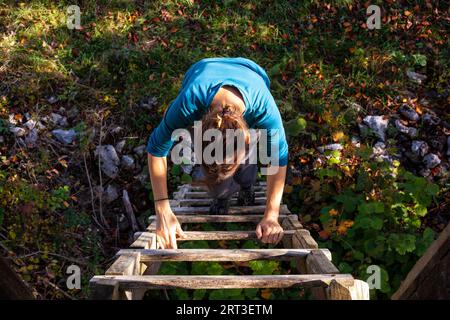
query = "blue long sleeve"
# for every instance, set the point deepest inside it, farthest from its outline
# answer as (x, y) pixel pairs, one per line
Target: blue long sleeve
(201, 83)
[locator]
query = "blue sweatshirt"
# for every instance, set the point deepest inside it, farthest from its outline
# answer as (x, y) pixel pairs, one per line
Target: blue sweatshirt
(201, 83)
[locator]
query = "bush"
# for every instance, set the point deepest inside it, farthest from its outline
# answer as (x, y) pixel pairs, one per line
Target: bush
(374, 218)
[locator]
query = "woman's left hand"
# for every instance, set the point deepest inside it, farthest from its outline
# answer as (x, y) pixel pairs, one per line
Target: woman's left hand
(269, 230)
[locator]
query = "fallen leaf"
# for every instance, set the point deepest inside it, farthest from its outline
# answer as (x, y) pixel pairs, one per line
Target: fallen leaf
(333, 212)
(325, 235)
(288, 189)
(337, 136)
(266, 293)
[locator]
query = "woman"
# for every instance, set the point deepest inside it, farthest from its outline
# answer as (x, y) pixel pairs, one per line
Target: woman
(224, 93)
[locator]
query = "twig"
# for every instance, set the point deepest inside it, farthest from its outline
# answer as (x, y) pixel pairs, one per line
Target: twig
(102, 217)
(50, 254)
(24, 256)
(67, 258)
(58, 288)
(94, 214)
(129, 210)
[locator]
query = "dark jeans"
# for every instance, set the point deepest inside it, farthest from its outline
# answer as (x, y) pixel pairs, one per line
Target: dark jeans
(244, 177)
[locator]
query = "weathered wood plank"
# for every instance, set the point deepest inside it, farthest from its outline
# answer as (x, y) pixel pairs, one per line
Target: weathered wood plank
(206, 202)
(126, 264)
(144, 240)
(220, 218)
(225, 235)
(338, 291)
(107, 289)
(293, 219)
(360, 290)
(12, 287)
(430, 276)
(224, 282)
(205, 195)
(219, 254)
(318, 262)
(213, 235)
(201, 188)
(181, 193)
(232, 210)
(302, 239)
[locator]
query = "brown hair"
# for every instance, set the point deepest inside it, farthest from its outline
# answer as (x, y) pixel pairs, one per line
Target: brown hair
(222, 120)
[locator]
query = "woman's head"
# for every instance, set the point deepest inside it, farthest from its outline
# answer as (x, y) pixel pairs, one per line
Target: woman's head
(233, 130)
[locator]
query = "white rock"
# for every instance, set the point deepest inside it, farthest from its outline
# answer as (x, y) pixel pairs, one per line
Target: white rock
(2, 139)
(18, 131)
(377, 124)
(419, 147)
(356, 142)
(148, 103)
(379, 148)
(412, 132)
(140, 150)
(58, 119)
(31, 138)
(431, 160)
(30, 124)
(111, 193)
(109, 161)
(416, 77)
(330, 147)
(11, 119)
(127, 162)
(409, 113)
(120, 145)
(40, 126)
(65, 136)
(430, 119)
(116, 130)
(52, 99)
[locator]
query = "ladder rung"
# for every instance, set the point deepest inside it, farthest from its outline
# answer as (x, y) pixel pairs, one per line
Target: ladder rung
(225, 235)
(200, 188)
(221, 218)
(223, 282)
(205, 202)
(205, 195)
(220, 254)
(232, 210)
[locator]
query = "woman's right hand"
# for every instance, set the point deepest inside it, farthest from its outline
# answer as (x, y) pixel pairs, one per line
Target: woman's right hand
(167, 228)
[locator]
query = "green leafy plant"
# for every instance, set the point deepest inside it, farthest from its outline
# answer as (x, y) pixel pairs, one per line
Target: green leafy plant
(295, 127)
(377, 221)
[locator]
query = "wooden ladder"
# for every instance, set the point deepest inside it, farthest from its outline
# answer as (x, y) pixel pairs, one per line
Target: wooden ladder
(135, 269)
